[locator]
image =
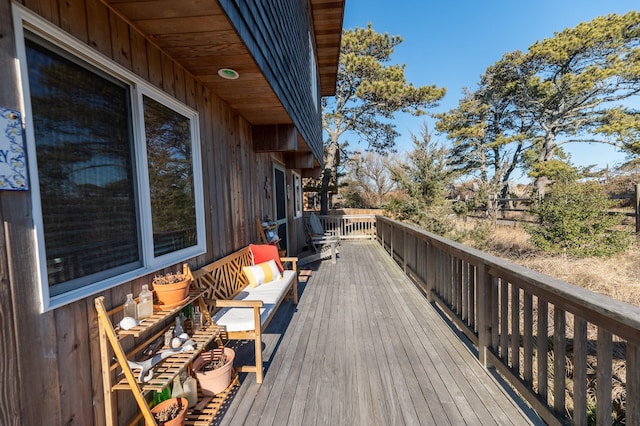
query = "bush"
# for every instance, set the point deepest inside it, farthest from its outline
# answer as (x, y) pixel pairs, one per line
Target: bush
(573, 218)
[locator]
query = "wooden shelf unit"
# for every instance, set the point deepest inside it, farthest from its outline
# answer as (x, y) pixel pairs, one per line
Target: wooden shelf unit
(164, 372)
(264, 228)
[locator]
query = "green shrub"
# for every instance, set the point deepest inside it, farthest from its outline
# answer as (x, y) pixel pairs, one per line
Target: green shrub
(573, 218)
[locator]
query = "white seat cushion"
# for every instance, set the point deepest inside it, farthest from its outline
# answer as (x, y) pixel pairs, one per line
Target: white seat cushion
(241, 319)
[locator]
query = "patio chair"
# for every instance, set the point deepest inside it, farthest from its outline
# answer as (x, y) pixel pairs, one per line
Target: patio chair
(324, 244)
(317, 230)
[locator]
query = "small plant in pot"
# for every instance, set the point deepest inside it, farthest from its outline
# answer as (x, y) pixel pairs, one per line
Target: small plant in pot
(172, 412)
(213, 370)
(171, 289)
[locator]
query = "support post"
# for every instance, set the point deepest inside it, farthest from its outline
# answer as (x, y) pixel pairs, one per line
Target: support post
(633, 384)
(484, 314)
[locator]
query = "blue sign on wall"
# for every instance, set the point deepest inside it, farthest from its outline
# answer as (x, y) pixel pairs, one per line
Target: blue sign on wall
(13, 166)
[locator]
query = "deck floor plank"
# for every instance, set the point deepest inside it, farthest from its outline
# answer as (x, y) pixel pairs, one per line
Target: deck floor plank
(364, 347)
(440, 367)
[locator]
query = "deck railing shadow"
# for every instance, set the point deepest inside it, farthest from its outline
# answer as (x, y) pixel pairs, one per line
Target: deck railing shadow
(503, 308)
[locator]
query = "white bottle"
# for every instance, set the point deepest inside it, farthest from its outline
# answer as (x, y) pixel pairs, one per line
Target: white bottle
(145, 304)
(190, 387)
(130, 307)
(197, 319)
(176, 390)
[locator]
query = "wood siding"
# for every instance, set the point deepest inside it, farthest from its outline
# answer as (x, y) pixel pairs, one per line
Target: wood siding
(50, 362)
(276, 34)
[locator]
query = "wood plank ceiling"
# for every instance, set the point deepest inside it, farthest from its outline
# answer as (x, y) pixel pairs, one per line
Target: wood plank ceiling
(199, 36)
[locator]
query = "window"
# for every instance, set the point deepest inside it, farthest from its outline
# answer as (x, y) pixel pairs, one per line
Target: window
(117, 189)
(297, 195)
(173, 206)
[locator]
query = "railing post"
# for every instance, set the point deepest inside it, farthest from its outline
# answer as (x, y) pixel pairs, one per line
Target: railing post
(484, 314)
(633, 384)
(431, 271)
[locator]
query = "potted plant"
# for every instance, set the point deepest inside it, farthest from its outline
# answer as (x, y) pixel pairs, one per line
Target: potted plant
(172, 412)
(171, 289)
(213, 370)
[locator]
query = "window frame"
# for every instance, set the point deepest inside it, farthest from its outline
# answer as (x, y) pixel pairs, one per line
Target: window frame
(25, 20)
(298, 205)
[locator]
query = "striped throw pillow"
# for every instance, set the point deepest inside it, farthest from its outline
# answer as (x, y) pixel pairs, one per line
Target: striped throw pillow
(262, 273)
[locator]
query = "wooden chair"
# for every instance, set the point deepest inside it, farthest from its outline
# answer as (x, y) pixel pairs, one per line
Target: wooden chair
(324, 244)
(318, 231)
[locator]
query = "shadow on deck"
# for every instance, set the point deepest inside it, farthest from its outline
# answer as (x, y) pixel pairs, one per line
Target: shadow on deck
(364, 347)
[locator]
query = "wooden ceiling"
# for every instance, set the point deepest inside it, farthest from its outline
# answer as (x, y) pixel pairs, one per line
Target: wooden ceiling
(199, 36)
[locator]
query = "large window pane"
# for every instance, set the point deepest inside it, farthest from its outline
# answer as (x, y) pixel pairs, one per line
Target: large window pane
(84, 148)
(170, 164)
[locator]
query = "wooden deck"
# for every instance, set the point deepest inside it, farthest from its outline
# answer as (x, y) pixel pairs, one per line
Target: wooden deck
(364, 347)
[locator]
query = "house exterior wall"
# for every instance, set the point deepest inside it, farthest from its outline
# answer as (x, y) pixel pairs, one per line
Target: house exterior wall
(51, 360)
(276, 34)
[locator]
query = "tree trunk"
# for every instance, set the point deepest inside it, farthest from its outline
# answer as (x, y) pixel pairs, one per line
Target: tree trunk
(324, 191)
(548, 150)
(330, 165)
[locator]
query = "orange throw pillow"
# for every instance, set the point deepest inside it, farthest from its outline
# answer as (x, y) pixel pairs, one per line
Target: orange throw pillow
(265, 252)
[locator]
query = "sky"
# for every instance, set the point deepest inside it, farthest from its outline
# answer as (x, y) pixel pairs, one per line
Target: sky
(450, 43)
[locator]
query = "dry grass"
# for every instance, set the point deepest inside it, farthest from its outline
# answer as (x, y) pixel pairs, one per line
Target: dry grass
(616, 277)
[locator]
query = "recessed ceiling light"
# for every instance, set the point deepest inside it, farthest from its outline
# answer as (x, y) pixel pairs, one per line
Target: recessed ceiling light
(228, 73)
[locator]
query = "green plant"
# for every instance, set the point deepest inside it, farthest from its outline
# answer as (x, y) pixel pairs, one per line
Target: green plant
(572, 218)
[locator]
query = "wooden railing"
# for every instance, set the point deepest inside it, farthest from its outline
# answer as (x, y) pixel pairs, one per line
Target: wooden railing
(571, 353)
(351, 227)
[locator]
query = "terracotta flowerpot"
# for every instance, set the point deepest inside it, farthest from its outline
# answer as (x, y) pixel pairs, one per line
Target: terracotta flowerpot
(215, 381)
(179, 419)
(172, 295)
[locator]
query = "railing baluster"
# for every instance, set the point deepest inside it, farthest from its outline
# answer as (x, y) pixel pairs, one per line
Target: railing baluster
(542, 348)
(515, 329)
(457, 271)
(431, 271)
(449, 279)
(633, 384)
(439, 277)
(495, 314)
(559, 358)
(405, 249)
(528, 338)
(473, 299)
(504, 321)
(484, 313)
(464, 269)
(579, 371)
(603, 377)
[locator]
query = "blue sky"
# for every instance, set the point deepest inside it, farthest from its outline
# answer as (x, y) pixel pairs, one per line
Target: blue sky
(451, 43)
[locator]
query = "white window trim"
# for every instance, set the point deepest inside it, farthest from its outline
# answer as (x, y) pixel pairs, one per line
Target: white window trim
(25, 19)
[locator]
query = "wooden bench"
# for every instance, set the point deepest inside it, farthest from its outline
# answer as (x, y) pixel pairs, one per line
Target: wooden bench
(241, 311)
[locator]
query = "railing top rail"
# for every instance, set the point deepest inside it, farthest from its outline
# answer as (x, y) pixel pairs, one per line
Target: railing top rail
(347, 216)
(618, 317)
